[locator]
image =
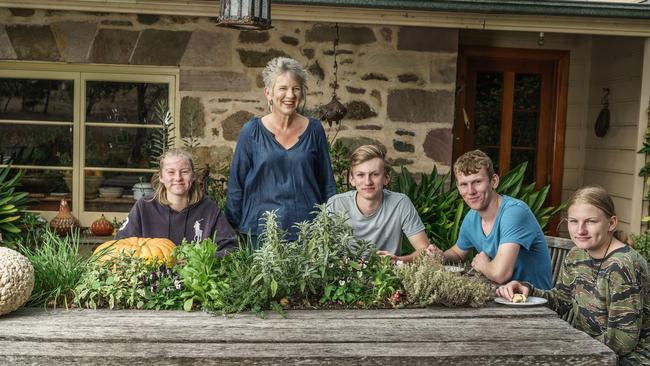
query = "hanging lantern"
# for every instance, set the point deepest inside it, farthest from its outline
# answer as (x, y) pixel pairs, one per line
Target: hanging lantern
(245, 14)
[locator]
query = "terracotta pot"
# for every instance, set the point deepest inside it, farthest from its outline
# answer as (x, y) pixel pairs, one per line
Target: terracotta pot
(101, 227)
(63, 223)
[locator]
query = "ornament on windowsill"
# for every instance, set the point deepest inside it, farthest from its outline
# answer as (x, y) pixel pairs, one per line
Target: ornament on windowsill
(63, 223)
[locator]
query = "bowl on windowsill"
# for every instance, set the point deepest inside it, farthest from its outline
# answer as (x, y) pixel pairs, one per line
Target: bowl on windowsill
(110, 192)
(91, 184)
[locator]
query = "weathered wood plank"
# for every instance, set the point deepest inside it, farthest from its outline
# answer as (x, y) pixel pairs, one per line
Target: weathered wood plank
(432, 336)
(400, 353)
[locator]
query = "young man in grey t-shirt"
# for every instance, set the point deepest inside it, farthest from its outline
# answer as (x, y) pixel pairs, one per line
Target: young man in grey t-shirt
(377, 214)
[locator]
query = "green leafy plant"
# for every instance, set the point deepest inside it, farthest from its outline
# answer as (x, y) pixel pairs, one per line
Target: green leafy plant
(162, 139)
(58, 268)
(32, 228)
(117, 283)
(12, 204)
(163, 289)
(201, 275)
(340, 156)
(642, 244)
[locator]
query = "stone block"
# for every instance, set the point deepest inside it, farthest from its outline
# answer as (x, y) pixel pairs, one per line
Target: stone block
(354, 90)
(33, 42)
(387, 34)
(369, 127)
(160, 47)
(402, 146)
(148, 19)
(74, 39)
(6, 48)
(415, 105)
(443, 69)
(347, 34)
(316, 71)
(427, 39)
(253, 37)
(252, 58)
(354, 142)
(208, 49)
(308, 52)
(218, 158)
(205, 80)
(292, 41)
(408, 78)
(118, 23)
(113, 46)
(20, 12)
(374, 76)
(438, 145)
(401, 132)
(408, 61)
(192, 117)
(358, 110)
(233, 124)
(400, 161)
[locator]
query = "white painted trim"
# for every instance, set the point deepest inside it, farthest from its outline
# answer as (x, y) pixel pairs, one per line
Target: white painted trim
(203, 8)
(638, 209)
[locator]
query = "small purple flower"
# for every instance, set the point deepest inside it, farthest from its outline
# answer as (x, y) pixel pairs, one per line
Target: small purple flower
(178, 284)
(153, 287)
(153, 276)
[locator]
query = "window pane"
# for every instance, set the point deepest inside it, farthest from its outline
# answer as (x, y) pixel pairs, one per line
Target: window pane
(527, 92)
(524, 129)
(46, 188)
(37, 100)
(36, 144)
(487, 111)
(118, 147)
(519, 155)
(124, 102)
(112, 191)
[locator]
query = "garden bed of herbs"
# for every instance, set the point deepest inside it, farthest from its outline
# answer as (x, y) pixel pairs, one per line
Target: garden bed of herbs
(325, 268)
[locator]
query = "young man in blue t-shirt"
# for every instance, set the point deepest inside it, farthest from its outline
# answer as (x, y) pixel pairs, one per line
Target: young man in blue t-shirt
(503, 230)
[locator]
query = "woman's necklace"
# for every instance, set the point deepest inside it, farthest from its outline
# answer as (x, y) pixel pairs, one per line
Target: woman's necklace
(595, 276)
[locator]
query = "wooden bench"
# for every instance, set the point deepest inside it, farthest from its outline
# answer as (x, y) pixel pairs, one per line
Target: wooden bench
(559, 247)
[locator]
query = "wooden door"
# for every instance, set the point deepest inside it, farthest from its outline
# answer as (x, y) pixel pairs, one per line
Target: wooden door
(512, 105)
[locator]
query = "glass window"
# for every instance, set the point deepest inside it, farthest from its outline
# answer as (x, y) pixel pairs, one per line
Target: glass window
(86, 136)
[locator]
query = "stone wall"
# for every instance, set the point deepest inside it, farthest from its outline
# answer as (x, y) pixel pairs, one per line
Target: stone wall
(397, 82)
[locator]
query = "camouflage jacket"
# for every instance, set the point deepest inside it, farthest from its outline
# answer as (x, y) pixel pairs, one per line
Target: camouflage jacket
(613, 306)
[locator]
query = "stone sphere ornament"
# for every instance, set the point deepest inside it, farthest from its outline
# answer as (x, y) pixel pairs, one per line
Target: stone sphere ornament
(16, 280)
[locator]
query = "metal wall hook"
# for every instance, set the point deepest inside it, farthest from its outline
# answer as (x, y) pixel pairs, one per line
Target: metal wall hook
(604, 101)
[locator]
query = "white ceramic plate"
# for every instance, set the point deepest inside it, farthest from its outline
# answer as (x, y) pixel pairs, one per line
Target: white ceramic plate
(530, 301)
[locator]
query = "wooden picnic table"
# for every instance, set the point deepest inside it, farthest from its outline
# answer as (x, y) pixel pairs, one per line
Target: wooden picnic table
(495, 335)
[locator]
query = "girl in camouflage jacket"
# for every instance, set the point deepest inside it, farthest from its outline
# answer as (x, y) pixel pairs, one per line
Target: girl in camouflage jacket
(602, 280)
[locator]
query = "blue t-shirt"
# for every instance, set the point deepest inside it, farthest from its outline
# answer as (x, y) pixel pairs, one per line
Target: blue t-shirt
(264, 176)
(515, 223)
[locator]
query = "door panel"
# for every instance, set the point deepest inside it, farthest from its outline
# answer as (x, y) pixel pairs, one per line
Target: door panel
(512, 105)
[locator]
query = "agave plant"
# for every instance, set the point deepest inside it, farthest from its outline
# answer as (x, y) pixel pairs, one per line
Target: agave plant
(12, 204)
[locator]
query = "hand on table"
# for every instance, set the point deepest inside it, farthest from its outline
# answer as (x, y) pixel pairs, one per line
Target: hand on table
(511, 288)
(480, 261)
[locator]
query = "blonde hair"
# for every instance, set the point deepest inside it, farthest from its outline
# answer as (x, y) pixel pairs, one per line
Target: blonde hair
(160, 192)
(598, 197)
(368, 152)
(471, 162)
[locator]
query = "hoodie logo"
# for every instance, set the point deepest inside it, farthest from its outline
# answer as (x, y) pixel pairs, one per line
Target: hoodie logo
(198, 233)
(126, 222)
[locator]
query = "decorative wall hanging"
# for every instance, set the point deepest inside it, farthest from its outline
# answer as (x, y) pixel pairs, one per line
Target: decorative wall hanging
(245, 14)
(334, 111)
(602, 122)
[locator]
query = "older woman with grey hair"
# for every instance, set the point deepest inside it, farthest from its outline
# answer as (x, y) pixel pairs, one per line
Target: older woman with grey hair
(281, 161)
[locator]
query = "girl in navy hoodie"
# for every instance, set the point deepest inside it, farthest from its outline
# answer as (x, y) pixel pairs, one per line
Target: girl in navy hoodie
(178, 209)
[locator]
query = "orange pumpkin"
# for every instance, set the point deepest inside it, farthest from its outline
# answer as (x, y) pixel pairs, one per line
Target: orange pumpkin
(153, 249)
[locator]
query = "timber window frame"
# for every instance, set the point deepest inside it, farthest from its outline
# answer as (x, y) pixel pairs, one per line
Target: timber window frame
(80, 74)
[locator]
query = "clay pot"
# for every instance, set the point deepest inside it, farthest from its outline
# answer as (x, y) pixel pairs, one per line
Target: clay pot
(63, 223)
(101, 227)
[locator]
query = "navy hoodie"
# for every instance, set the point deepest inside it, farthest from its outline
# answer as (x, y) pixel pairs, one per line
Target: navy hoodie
(151, 219)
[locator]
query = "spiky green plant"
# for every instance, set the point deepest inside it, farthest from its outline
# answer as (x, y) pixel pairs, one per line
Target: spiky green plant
(12, 205)
(162, 139)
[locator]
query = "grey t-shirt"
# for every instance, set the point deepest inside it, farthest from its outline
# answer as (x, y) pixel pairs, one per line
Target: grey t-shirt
(383, 228)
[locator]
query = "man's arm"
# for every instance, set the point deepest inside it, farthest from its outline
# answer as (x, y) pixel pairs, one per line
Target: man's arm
(500, 268)
(454, 255)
